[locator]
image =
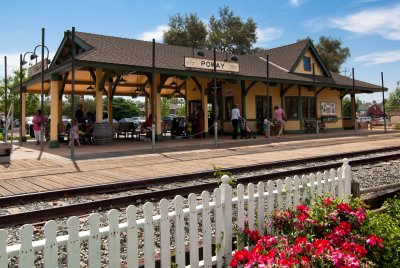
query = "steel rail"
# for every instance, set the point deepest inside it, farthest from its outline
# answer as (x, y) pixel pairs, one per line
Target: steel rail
(84, 208)
(134, 184)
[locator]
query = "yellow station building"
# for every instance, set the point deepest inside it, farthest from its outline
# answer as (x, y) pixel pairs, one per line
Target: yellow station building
(116, 66)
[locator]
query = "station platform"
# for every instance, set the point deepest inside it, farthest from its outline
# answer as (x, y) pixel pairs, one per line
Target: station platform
(124, 160)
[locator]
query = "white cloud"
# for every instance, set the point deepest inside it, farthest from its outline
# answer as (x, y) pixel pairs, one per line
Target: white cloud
(266, 35)
(382, 21)
(157, 34)
(294, 2)
(379, 57)
(12, 63)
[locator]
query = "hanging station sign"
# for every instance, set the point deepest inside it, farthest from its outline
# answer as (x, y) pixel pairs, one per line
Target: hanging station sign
(225, 66)
(37, 68)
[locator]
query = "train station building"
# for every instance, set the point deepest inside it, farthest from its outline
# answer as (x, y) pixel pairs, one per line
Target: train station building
(291, 76)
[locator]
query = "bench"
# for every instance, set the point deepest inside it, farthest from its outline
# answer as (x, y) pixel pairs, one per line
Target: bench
(125, 129)
(311, 126)
(140, 130)
(5, 154)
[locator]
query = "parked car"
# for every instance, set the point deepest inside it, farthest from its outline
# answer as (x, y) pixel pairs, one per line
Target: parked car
(364, 119)
(105, 120)
(126, 120)
(381, 121)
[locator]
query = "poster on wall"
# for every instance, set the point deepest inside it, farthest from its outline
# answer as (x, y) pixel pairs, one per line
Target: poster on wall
(328, 108)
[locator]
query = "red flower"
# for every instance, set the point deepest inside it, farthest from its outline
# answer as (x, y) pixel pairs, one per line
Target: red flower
(327, 201)
(302, 208)
(344, 207)
(321, 245)
(373, 240)
(255, 236)
(302, 216)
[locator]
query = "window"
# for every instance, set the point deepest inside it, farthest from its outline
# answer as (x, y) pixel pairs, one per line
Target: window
(308, 106)
(228, 107)
(291, 107)
(307, 63)
(263, 107)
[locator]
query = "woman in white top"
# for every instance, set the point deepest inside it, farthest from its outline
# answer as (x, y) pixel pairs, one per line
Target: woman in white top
(235, 115)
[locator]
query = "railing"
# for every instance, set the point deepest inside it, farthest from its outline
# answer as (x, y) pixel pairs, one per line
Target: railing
(173, 227)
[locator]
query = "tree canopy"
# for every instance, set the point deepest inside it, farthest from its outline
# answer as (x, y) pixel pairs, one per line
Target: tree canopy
(332, 54)
(32, 100)
(393, 101)
(226, 33)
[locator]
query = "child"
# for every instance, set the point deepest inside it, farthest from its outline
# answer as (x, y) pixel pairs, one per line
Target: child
(74, 133)
(266, 127)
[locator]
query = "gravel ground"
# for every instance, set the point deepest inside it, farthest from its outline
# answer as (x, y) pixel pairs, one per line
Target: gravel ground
(368, 176)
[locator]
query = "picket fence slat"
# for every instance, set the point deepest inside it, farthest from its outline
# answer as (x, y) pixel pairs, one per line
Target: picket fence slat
(3, 251)
(193, 232)
(114, 249)
(94, 241)
(179, 232)
(165, 234)
(207, 248)
(250, 206)
(149, 260)
(50, 247)
(132, 237)
(73, 244)
(289, 192)
(260, 206)
(26, 256)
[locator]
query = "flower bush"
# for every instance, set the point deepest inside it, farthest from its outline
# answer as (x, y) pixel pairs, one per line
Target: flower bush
(328, 234)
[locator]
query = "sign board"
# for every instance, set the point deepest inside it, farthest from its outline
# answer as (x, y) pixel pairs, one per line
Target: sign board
(37, 68)
(328, 108)
(206, 64)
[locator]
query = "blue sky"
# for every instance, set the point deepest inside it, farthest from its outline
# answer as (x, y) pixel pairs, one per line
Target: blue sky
(370, 28)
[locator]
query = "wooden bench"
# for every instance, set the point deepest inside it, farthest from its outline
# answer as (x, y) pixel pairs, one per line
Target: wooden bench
(5, 154)
(311, 126)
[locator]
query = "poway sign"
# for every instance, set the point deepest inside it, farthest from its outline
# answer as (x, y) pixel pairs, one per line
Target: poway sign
(209, 64)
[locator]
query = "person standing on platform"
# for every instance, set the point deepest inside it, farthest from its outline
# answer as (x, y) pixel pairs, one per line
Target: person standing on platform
(235, 115)
(280, 117)
(74, 133)
(38, 120)
(199, 122)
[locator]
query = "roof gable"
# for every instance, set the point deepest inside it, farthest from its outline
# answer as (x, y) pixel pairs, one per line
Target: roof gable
(310, 47)
(64, 51)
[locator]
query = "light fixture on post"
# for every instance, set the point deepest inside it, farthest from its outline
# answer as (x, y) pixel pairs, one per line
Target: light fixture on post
(35, 56)
(233, 56)
(90, 88)
(137, 90)
(22, 62)
(173, 83)
(122, 81)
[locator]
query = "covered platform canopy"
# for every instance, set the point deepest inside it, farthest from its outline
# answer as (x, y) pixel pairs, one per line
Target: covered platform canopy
(112, 66)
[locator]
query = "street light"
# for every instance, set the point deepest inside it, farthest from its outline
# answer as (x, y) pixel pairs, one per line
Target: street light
(35, 56)
(22, 62)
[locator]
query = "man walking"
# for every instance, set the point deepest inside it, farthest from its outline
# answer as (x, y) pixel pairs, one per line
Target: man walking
(235, 115)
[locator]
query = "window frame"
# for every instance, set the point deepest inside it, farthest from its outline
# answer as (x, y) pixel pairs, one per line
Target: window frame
(307, 64)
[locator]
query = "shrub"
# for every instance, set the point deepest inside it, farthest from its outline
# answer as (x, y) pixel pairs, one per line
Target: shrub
(329, 234)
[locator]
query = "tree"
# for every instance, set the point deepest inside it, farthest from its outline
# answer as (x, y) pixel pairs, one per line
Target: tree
(393, 102)
(230, 33)
(332, 54)
(123, 108)
(32, 100)
(347, 107)
(185, 30)
(226, 33)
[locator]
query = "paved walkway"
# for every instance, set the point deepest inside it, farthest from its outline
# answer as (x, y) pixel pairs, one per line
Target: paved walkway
(33, 171)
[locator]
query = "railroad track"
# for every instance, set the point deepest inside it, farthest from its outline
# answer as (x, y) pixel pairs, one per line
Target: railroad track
(87, 207)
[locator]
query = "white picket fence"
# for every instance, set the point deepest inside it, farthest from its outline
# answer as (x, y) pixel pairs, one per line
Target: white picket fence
(173, 232)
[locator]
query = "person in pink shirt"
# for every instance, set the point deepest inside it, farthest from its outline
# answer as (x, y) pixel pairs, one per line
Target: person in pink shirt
(37, 121)
(280, 117)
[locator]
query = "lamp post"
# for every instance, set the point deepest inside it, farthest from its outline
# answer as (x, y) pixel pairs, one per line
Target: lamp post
(35, 56)
(215, 101)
